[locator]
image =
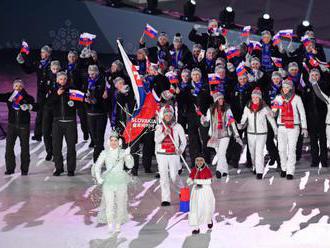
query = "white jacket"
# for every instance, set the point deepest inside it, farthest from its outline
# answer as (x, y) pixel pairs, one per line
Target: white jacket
(114, 160)
(298, 111)
(257, 121)
(180, 140)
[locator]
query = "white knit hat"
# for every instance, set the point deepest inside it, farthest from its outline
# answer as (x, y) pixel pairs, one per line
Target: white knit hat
(257, 92)
(287, 84)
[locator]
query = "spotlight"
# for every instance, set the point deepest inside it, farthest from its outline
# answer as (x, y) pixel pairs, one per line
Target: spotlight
(189, 11)
(227, 17)
(114, 3)
(303, 27)
(151, 8)
(265, 23)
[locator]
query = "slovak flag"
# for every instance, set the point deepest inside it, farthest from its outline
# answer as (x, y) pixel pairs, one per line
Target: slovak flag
(313, 62)
(86, 39)
(277, 104)
(151, 32)
(146, 105)
(277, 62)
(232, 52)
(230, 119)
(306, 41)
(224, 32)
(76, 95)
(15, 98)
(214, 79)
(172, 77)
(287, 33)
(276, 39)
(25, 48)
(241, 70)
(246, 31)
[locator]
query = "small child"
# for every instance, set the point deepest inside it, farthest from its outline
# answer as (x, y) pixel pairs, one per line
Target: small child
(202, 201)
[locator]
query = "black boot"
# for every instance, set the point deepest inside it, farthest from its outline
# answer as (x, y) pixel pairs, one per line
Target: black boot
(165, 204)
(71, 174)
(195, 231)
(218, 174)
(24, 173)
(210, 225)
(49, 157)
(259, 176)
(289, 177)
(157, 175)
(91, 145)
(58, 173)
(283, 173)
(9, 172)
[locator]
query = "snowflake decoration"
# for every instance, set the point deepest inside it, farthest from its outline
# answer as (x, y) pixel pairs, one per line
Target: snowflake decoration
(65, 38)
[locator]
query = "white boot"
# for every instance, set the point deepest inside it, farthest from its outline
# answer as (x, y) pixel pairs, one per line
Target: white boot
(117, 228)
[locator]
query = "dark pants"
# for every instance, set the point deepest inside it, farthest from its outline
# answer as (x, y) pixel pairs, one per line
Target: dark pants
(97, 125)
(82, 113)
(68, 130)
(318, 142)
(38, 121)
(195, 142)
(47, 123)
(271, 147)
(299, 147)
(148, 150)
(23, 133)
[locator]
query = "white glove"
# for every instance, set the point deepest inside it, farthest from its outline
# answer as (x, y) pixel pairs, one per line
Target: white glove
(190, 181)
(179, 152)
(127, 151)
(20, 58)
(24, 107)
(304, 132)
(197, 26)
(203, 119)
(324, 68)
(240, 126)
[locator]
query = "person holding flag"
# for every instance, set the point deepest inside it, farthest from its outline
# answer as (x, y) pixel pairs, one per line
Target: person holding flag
(41, 68)
(255, 117)
(19, 104)
(212, 38)
(222, 126)
(291, 118)
(267, 51)
(64, 125)
(170, 143)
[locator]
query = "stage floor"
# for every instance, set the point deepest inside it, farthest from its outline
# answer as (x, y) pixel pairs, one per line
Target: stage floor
(45, 211)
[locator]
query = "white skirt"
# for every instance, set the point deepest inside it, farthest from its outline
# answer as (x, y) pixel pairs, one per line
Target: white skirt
(202, 205)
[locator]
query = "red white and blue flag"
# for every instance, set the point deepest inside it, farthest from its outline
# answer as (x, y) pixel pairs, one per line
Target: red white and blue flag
(313, 62)
(76, 95)
(277, 62)
(306, 41)
(214, 79)
(150, 31)
(25, 48)
(86, 39)
(224, 32)
(246, 31)
(146, 103)
(241, 70)
(172, 77)
(277, 104)
(232, 52)
(16, 98)
(287, 33)
(230, 119)
(276, 39)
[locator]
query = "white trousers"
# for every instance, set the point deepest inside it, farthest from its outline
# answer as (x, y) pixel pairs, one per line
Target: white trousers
(222, 164)
(168, 166)
(287, 142)
(256, 145)
(116, 205)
